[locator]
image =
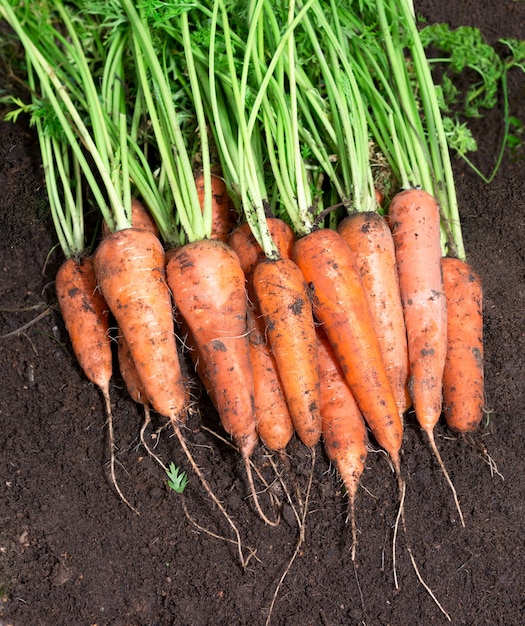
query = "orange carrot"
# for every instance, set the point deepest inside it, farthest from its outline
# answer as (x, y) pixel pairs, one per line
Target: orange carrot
(224, 215)
(250, 252)
(284, 301)
(129, 373)
(340, 304)
(140, 218)
(86, 317)
(463, 394)
(193, 351)
(207, 284)
(414, 220)
(129, 265)
(379, 196)
(370, 239)
(415, 223)
(344, 431)
(274, 423)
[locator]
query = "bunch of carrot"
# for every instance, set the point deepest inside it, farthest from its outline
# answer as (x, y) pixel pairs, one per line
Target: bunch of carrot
(328, 307)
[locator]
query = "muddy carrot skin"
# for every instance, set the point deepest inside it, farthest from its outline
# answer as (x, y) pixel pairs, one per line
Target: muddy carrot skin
(463, 375)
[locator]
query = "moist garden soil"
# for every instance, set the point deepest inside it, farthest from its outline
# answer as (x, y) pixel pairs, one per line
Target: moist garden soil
(72, 553)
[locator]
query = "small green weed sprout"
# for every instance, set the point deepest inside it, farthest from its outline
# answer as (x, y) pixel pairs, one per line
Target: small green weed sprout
(177, 478)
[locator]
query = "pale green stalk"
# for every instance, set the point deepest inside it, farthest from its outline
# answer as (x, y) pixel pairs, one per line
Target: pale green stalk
(76, 132)
(166, 125)
(444, 189)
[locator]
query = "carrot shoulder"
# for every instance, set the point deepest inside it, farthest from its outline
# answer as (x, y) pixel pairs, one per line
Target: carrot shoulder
(140, 218)
(340, 304)
(250, 252)
(129, 266)
(463, 375)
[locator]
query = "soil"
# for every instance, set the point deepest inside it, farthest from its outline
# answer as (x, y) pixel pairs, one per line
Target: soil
(72, 553)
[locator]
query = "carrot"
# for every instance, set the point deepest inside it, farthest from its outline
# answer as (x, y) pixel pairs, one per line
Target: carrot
(274, 423)
(463, 375)
(86, 317)
(250, 252)
(340, 304)
(129, 373)
(207, 284)
(284, 301)
(129, 265)
(140, 218)
(415, 223)
(224, 216)
(344, 431)
(370, 239)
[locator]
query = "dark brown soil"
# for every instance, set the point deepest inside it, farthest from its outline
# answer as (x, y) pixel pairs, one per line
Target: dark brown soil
(72, 553)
